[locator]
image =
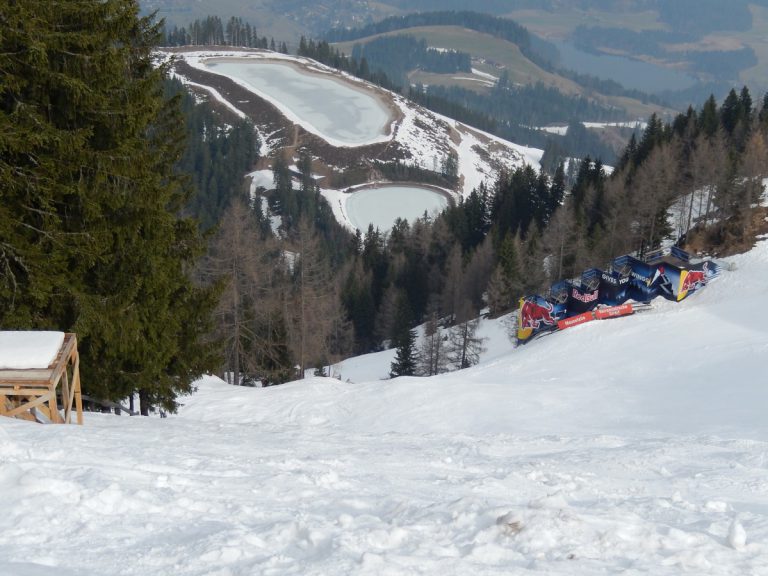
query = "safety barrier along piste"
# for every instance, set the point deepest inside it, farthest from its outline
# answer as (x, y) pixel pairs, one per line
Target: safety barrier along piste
(627, 285)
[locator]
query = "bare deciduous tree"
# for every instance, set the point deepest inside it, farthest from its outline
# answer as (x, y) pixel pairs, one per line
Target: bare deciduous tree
(751, 172)
(318, 324)
(432, 357)
(249, 267)
(464, 346)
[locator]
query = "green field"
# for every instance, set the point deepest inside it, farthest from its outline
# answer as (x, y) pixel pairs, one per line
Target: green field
(498, 55)
(559, 25)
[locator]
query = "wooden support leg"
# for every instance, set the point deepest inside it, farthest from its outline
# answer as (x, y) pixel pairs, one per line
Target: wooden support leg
(76, 388)
(66, 402)
(53, 406)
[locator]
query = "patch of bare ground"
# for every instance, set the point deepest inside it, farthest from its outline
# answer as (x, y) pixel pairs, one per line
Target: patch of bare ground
(722, 242)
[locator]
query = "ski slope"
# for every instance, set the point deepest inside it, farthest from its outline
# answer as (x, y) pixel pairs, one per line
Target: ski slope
(637, 446)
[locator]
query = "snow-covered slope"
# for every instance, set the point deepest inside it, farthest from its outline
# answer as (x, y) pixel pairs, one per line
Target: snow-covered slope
(637, 445)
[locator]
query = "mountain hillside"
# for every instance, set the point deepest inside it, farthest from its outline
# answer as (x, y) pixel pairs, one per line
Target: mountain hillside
(493, 57)
(415, 137)
(634, 445)
(719, 47)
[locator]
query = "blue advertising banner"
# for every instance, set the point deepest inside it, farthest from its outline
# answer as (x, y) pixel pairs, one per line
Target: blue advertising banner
(613, 288)
(669, 274)
(641, 275)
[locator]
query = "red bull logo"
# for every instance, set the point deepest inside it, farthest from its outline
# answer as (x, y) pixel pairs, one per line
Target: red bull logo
(532, 314)
(694, 279)
(584, 297)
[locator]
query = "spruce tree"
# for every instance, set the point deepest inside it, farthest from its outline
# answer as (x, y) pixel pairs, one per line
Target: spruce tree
(730, 112)
(89, 144)
(405, 357)
(404, 339)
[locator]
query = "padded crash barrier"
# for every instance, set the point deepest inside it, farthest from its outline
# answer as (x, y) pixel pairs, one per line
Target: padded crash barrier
(627, 285)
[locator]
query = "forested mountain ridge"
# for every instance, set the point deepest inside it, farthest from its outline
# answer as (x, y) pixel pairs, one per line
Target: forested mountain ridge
(493, 87)
(721, 46)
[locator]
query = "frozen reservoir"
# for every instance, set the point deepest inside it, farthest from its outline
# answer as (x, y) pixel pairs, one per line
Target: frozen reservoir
(333, 109)
(383, 205)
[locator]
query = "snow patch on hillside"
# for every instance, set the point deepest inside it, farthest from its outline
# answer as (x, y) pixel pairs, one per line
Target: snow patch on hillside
(563, 130)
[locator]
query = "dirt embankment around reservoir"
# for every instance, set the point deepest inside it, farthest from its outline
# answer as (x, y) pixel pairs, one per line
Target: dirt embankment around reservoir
(342, 165)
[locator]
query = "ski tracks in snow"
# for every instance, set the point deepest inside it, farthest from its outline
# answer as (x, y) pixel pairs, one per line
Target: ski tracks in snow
(238, 499)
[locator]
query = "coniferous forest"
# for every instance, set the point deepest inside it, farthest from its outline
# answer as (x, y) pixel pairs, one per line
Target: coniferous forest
(125, 217)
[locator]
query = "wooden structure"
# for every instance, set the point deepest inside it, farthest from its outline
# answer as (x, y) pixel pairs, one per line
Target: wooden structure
(37, 393)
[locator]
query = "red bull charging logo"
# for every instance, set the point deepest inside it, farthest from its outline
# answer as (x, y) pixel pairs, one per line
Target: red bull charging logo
(694, 279)
(532, 314)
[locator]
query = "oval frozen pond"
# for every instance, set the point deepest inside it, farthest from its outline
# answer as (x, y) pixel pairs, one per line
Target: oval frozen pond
(330, 108)
(383, 205)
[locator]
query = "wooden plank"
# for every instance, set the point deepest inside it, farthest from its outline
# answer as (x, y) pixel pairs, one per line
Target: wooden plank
(78, 392)
(53, 407)
(76, 380)
(24, 386)
(61, 362)
(26, 391)
(66, 402)
(19, 384)
(39, 401)
(42, 375)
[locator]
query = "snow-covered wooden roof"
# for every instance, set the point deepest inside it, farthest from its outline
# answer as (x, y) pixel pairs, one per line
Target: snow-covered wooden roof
(22, 350)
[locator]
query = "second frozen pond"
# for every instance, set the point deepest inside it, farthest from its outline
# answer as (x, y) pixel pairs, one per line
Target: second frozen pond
(382, 206)
(334, 110)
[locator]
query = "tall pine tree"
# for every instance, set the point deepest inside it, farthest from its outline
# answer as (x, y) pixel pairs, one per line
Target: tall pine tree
(88, 145)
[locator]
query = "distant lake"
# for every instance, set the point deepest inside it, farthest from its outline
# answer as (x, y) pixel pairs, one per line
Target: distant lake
(629, 73)
(335, 110)
(383, 205)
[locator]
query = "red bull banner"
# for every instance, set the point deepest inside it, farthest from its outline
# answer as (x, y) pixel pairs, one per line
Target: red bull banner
(581, 299)
(575, 320)
(614, 311)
